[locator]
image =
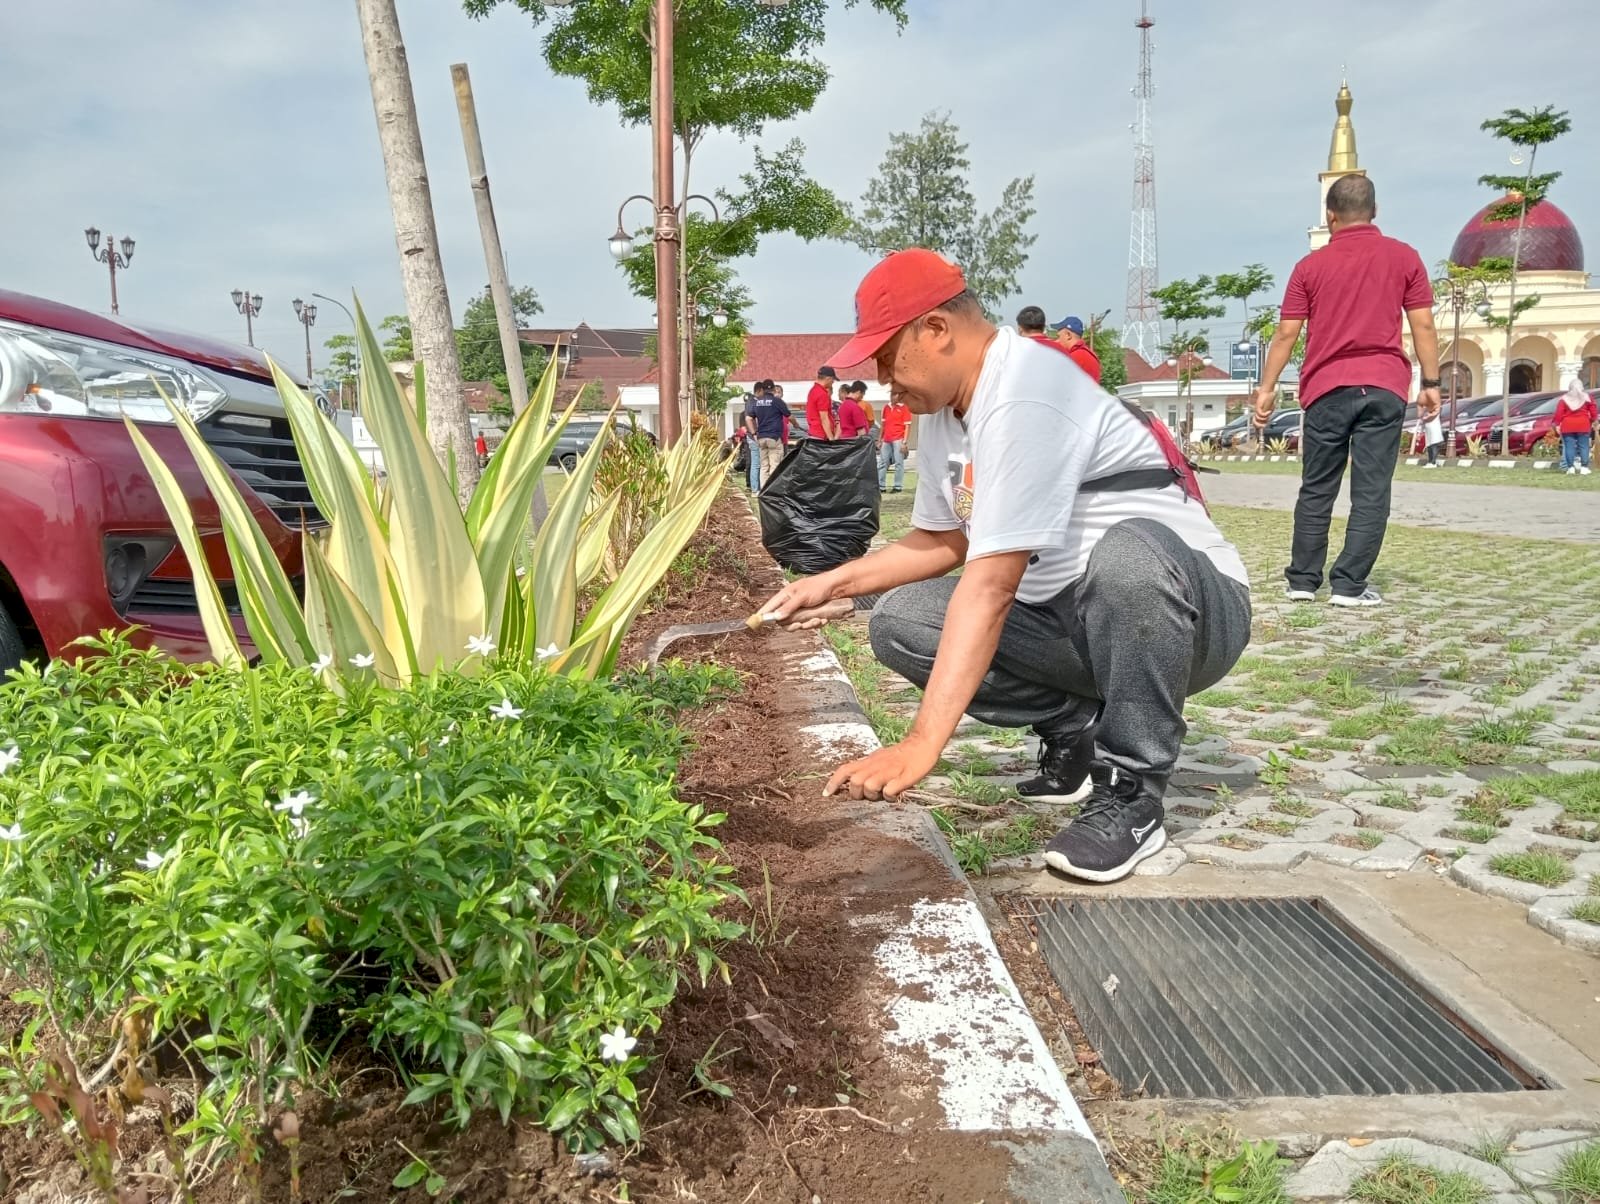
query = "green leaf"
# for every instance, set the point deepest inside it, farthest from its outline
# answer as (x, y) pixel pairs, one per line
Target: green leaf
(412, 1174)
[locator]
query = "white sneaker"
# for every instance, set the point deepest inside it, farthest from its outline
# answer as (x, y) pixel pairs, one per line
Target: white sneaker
(1582, 471)
(1573, 471)
(1367, 597)
(1430, 466)
(1300, 595)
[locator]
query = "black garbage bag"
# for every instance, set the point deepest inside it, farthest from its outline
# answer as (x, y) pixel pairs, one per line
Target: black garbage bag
(820, 508)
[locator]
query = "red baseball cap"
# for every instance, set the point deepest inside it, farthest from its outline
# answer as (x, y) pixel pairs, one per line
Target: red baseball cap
(898, 290)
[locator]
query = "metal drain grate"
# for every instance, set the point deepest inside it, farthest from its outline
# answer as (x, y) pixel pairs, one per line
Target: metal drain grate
(1226, 998)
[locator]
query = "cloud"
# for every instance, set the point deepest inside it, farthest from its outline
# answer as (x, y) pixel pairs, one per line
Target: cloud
(237, 144)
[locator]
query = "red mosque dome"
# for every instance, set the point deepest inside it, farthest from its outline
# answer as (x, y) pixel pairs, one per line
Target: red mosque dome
(1550, 242)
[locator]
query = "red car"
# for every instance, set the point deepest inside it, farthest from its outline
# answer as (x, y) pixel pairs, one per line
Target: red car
(86, 544)
(1485, 423)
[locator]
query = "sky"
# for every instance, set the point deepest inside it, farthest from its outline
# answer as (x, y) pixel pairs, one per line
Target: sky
(236, 143)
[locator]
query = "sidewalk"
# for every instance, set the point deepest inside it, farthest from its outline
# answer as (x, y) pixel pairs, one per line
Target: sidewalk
(1529, 512)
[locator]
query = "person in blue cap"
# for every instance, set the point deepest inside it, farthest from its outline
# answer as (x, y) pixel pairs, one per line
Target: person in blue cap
(1069, 333)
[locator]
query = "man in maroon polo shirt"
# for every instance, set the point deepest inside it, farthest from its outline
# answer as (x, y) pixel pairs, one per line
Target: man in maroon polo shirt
(1353, 384)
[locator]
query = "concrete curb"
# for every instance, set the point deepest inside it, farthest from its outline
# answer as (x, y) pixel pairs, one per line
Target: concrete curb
(949, 998)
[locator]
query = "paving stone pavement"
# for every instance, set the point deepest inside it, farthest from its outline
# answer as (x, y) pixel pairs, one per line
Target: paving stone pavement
(1521, 1171)
(1455, 730)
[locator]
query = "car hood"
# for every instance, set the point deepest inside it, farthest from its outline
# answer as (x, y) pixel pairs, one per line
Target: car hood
(141, 336)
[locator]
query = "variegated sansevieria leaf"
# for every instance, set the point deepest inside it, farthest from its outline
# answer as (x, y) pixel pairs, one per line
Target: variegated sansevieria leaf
(594, 650)
(213, 614)
(550, 590)
(356, 547)
(437, 581)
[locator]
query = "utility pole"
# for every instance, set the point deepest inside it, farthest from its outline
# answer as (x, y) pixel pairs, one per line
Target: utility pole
(110, 256)
(668, 233)
(307, 315)
(250, 307)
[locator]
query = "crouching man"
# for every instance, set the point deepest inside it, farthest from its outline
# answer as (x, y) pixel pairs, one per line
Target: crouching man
(1095, 594)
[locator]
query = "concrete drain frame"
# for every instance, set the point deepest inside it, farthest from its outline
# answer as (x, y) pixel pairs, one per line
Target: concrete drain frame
(1217, 997)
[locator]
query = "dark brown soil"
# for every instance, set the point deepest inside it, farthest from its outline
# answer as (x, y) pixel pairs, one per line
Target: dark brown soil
(771, 1087)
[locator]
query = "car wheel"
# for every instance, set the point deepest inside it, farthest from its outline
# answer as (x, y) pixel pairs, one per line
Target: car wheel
(568, 462)
(11, 649)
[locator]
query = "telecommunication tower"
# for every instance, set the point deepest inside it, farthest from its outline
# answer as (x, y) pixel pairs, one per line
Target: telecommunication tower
(1141, 322)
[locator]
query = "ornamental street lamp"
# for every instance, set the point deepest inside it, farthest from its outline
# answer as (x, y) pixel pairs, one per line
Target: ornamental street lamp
(110, 256)
(308, 315)
(249, 306)
(668, 232)
(355, 335)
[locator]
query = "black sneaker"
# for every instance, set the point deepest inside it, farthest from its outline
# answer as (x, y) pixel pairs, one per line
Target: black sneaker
(1117, 829)
(1063, 772)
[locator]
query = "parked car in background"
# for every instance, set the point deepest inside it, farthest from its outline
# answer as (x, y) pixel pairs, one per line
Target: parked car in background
(576, 438)
(1485, 423)
(1223, 435)
(1279, 426)
(1528, 426)
(86, 544)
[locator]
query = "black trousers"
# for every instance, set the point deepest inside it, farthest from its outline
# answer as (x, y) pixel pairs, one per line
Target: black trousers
(1358, 424)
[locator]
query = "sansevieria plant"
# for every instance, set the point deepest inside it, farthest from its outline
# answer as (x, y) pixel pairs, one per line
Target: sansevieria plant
(400, 582)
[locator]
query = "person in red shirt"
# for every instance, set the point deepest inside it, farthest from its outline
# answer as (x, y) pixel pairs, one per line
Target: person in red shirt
(853, 420)
(1353, 383)
(896, 424)
(1069, 333)
(1576, 414)
(820, 423)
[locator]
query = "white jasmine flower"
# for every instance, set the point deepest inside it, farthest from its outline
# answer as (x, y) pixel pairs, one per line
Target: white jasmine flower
(547, 652)
(616, 1045)
(443, 740)
(363, 660)
(9, 757)
(294, 803)
(480, 645)
(322, 664)
(505, 710)
(151, 860)
(12, 834)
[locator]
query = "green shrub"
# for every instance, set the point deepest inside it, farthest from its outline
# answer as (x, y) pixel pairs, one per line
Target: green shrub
(481, 877)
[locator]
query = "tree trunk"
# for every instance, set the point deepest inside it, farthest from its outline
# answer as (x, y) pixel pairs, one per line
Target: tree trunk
(421, 270)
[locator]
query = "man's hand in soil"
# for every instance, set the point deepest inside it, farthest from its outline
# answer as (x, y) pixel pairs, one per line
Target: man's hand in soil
(887, 772)
(807, 603)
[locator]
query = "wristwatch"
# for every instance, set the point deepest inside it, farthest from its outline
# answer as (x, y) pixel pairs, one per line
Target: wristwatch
(1429, 383)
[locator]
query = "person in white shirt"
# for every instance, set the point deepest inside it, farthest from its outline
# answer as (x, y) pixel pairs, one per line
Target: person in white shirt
(1096, 592)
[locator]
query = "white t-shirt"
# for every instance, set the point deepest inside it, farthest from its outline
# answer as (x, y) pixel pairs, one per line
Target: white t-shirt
(1008, 475)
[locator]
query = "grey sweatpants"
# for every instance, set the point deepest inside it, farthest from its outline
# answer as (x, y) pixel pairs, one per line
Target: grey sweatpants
(1150, 622)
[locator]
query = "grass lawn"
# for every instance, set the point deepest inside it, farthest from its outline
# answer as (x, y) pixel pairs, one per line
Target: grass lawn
(1545, 478)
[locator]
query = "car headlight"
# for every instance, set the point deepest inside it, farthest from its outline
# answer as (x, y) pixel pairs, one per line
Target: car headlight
(48, 372)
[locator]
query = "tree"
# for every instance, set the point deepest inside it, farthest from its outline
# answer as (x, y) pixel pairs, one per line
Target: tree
(397, 339)
(920, 198)
(1181, 302)
(1107, 344)
(421, 269)
(738, 64)
(1529, 131)
(1240, 286)
(1263, 324)
(342, 360)
(478, 340)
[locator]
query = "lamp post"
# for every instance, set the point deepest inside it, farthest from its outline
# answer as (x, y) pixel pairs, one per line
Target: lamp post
(672, 331)
(111, 256)
(668, 230)
(719, 319)
(250, 307)
(1457, 293)
(307, 315)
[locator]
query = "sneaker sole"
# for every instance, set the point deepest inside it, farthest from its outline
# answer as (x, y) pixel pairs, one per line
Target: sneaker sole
(1073, 796)
(1153, 844)
(1299, 595)
(1353, 603)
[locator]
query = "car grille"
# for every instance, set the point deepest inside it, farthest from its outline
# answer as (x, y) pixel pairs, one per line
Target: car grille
(176, 596)
(261, 452)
